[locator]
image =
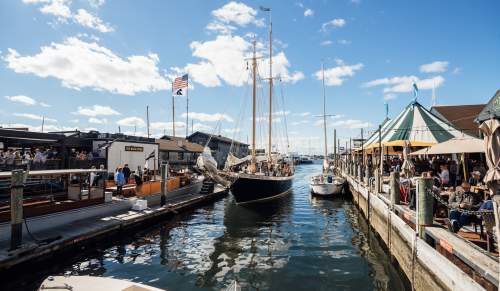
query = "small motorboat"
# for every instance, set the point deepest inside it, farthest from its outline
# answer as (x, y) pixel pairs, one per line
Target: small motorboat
(326, 185)
(87, 283)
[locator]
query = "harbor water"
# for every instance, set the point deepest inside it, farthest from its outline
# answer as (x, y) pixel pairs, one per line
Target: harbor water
(295, 243)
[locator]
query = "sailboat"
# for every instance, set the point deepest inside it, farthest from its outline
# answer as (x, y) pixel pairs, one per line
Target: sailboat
(264, 177)
(325, 184)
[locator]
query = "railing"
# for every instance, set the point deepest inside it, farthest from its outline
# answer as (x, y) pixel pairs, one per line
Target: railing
(52, 164)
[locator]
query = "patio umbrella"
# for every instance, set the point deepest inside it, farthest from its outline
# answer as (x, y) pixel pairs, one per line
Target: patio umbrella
(408, 167)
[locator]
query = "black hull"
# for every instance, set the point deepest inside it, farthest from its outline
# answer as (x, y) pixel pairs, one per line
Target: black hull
(252, 188)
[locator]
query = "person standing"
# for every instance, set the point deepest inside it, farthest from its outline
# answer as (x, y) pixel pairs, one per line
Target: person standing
(444, 175)
(126, 173)
(119, 181)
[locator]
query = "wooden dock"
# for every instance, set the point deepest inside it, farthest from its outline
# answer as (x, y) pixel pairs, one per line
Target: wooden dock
(448, 262)
(83, 231)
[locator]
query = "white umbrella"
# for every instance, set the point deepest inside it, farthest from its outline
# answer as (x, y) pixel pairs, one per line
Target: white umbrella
(454, 146)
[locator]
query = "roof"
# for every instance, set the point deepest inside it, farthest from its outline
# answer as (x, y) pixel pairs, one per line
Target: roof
(219, 138)
(460, 116)
(417, 125)
(178, 144)
(491, 110)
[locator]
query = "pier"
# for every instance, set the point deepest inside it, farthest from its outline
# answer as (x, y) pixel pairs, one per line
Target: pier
(438, 260)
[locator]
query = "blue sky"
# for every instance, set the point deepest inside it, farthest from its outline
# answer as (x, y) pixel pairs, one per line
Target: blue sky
(96, 64)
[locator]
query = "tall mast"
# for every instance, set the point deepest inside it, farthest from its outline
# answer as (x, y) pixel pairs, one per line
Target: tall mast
(324, 111)
(173, 111)
(254, 89)
(270, 83)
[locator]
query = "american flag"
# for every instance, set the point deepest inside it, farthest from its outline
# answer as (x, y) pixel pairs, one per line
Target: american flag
(180, 82)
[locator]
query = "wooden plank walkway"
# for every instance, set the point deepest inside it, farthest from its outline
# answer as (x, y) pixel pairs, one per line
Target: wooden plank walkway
(84, 230)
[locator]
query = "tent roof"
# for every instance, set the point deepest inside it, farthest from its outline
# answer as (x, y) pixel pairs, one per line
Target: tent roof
(418, 126)
(454, 146)
(492, 109)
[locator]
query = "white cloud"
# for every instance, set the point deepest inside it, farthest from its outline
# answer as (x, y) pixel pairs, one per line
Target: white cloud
(62, 11)
(232, 130)
(308, 12)
(86, 19)
(58, 8)
(220, 27)
(281, 113)
(326, 42)
(206, 117)
(132, 121)
(26, 100)
(159, 125)
(202, 127)
(403, 84)
(21, 99)
(96, 110)
(337, 22)
(337, 75)
(352, 124)
(344, 41)
(390, 96)
(96, 3)
(280, 68)
(237, 13)
(304, 114)
(34, 117)
(295, 123)
(97, 120)
(434, 67)
(79, 64)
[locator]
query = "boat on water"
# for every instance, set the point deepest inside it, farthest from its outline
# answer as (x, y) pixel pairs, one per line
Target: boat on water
(265, 177)
(326, 183)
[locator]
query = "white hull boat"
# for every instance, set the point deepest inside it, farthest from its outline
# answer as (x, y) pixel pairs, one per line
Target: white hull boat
(326, 185)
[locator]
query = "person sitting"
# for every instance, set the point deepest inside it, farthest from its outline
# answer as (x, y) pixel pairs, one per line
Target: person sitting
(475, 179)
(462, 199)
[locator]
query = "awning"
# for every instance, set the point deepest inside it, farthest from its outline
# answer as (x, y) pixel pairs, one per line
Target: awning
(454, 146)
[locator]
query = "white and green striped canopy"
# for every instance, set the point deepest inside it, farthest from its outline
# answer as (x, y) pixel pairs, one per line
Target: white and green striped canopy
(417, 125)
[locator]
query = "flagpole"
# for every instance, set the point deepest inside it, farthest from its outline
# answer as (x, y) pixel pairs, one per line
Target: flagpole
(147, 119)
(173, 112)
(187, 110)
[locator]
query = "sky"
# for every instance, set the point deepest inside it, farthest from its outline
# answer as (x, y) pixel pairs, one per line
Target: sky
(97, 64)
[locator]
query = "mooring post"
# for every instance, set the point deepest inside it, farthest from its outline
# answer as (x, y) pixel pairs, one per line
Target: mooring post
(377, 180)
(360, 172)
(394, 184)
(163, 183)
(425, 205)
(16, 209)
(368, 175)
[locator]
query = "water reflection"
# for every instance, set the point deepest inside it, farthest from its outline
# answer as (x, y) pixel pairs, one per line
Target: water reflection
(295, 243)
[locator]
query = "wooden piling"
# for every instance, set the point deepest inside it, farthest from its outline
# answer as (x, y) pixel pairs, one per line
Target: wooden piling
(424, 205)
(394, 185)
(377, 180)
(368, 174)
(163, 183)
(16, 208)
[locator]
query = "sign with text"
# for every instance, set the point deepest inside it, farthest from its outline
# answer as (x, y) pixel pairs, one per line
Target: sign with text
(134, 149)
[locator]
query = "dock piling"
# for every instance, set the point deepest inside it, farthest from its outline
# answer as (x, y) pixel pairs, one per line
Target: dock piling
(377, 180)
(424, 206)
(163, 183)
(394, 185)
(16, 209)
(368, 174)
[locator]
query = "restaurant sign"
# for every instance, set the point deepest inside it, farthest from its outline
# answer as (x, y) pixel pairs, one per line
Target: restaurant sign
(134, 149)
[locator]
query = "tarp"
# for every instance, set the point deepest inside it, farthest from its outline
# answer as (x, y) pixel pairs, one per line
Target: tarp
(418, 126)
(454, 146)
(491, 130)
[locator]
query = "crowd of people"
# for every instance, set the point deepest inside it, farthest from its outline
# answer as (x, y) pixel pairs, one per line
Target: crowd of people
(36, 155)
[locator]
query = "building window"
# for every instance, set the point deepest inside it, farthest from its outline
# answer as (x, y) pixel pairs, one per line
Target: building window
(180, 156)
